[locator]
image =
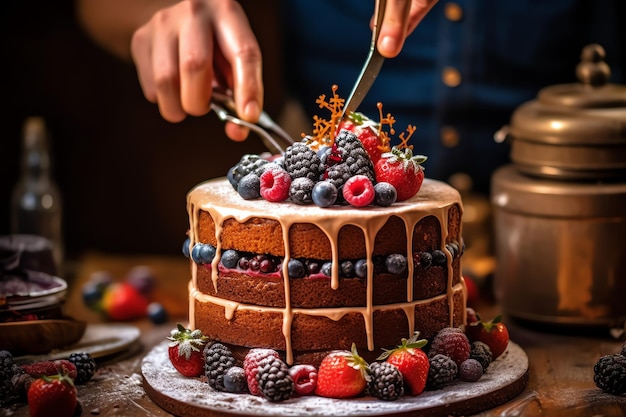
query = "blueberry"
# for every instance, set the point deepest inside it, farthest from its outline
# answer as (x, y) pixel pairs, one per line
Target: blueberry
(231, 177)
(249, 187)
(235, 380)
(321, 152)
(385, 194)
(439, 257)
(295, 268)
(347, 269)
(230, 258)
(453, 248)
(395, 263)
(327, 269)
(426, 259)
(157, 313)
(92, 295)
(202, 253)
(186, 244)
(324, 194)
(360, 268)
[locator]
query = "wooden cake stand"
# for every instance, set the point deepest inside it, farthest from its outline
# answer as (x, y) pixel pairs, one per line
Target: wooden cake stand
(504, 380)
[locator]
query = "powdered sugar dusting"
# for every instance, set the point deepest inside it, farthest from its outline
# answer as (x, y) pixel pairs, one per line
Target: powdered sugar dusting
(507, 376)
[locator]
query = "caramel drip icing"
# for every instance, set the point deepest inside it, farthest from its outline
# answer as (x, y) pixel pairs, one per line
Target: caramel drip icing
(218, 198)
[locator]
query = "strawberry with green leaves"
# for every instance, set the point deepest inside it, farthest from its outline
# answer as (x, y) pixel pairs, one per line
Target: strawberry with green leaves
(412, 362)
(401, 169)
(342, 374)
(368, 133)
(52, 395)
(185, 351)
(493, 333)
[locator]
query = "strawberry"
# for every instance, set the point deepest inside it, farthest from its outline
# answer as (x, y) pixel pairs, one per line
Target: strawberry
(368, 133)
(48, 368)
(342, 374)
(402, 170)
(493, 333)
(52, 395)
(412, 362)
(122, 302)
(185, 351)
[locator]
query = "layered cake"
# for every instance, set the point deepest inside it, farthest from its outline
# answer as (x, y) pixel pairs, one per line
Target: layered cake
(304, 275)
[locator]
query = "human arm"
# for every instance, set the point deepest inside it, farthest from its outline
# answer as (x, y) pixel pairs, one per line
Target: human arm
(181, 50)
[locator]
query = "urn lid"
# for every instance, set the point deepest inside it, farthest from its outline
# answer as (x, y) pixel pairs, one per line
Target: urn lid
(573, 130)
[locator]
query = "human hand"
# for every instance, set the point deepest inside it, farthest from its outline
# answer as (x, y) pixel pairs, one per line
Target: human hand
(186, 49)
(398, 24)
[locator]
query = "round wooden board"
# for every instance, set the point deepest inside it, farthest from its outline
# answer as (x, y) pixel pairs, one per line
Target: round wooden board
(505, 379)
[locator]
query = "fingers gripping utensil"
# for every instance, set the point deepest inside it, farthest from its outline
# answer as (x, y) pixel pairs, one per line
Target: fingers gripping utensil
(273, 136)
(372, 66)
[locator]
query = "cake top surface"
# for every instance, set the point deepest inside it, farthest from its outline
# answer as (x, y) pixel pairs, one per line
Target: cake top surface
(218, 192)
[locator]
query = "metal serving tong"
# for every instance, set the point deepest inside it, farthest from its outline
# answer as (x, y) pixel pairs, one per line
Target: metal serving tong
(272, 135)
(371, 68)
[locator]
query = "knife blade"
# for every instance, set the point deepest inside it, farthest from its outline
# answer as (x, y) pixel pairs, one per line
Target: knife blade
(372, 66)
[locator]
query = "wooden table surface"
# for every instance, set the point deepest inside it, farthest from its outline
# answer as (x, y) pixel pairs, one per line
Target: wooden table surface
(560, 376)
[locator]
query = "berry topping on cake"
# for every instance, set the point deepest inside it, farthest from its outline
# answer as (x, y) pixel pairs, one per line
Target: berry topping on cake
(217, 360)
(452, 342)
(185, 350)
(493, 333)
(385, 381)
(336, 151)
(342, 374)
(402, 170)
(251, 365)
(412, 362)
(304, 378)
(274, 380)
(359, 191)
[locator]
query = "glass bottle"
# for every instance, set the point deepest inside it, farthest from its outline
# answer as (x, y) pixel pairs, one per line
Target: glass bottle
(36, 206)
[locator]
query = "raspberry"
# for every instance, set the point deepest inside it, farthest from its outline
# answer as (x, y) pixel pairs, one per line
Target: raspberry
(441, 372)
(251, 366)
(386, 382)
(470, 370)
(482, 353)
(609, 374)
(217, 360)
(48, 368)
(359, 191)
(274, 380)
(85, 366)
(301, 190)
(304, 378)
(302, 161)
(275, 184)
(452, 342)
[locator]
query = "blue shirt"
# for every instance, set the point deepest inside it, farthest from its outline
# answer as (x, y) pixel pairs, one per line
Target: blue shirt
(461, 74)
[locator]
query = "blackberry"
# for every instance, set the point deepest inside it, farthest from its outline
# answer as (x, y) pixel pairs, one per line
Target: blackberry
(302, 161)
(8, 394)
(217, 360)
(85, 366)
(301, 190)
(386, 381)
(442, 371)
(609, 374)
(338, 174)
(482, 353)
(623, 353)
(248, 163)
(274, 380)
(354, 154)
